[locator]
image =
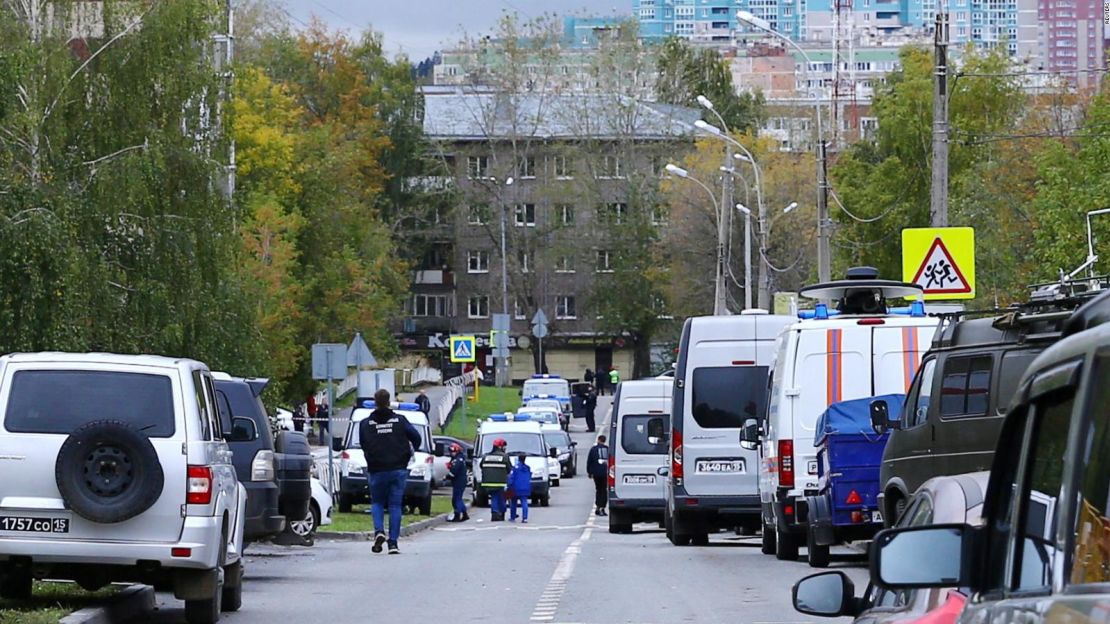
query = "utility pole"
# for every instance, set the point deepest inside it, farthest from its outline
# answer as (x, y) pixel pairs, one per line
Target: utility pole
(724, 226)
(938, 204)
(824, 255)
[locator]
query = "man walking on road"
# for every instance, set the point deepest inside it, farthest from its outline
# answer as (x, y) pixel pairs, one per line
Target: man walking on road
(597, 466)
(495, 469)
(387, 441)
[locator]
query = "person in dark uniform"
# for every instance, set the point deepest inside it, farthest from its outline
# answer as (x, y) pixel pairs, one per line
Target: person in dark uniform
(495, 476)
(597, 466)
(457, 468)
(591, 406)
(424, 402)
(387, 440)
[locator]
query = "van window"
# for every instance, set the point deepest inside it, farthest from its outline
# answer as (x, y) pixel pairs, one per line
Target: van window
(1014, 365)
(1034, 554)
(60, 401)
(1090, 560)
(634, 435)
(917, 407)
(965, 387)
(724, 397)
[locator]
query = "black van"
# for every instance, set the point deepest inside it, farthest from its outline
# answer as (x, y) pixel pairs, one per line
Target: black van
(972, 371)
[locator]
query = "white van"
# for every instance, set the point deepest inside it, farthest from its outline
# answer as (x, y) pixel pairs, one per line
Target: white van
(720, 382)
(862, 349)
(639, 453)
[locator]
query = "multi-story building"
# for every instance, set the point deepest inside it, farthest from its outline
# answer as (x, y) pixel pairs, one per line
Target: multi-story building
(551, 179)
(696, 20)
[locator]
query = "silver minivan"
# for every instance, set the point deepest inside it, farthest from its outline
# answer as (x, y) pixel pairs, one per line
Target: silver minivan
(720, 382)
(639, 452)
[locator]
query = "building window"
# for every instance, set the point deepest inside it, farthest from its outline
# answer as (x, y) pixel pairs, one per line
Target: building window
(430, 305)
(477, 166)
(565, 214)
(561, 167)
(477, 262)
(565, 264)
(526, 167)
(477, 307)
(612, 213)
(522, 308)
(604, 261)
(477, 215)
(660, 215)
(565, 308)
(524, 215)
(610, 166)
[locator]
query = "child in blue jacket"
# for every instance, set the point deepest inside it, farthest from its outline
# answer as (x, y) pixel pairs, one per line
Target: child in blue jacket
(520, 484)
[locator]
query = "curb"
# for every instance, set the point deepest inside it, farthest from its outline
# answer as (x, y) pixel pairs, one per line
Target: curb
(129, 604)
(365, 536)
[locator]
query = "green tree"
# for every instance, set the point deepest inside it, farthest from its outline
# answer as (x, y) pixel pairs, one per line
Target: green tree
(685, 72)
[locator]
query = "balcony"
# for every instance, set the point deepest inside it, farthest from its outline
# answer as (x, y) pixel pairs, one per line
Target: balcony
(433, 278)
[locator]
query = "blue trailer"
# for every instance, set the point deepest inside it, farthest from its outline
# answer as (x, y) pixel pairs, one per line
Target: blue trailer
(849, 453)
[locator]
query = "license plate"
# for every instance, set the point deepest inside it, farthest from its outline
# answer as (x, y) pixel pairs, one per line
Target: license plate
(639, 479)
(877, 516)
(24, 524)
(720, 466)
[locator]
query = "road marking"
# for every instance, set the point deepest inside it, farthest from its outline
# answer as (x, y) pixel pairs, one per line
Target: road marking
(548, 603)
(513, 527)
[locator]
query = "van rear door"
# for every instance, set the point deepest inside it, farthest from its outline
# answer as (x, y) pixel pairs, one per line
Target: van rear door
(639, 460)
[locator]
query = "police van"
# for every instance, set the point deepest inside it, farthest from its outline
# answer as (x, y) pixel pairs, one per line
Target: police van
(548, 387)
(861, 349)
(523, 435)
(720, 381)
(638, 452)
(422, 479)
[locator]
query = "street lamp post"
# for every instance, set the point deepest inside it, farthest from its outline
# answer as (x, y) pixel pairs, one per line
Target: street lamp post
(747, 239)
(675, 170)
(501, 369)
(724, 224)
(824, 256)
(747, 234)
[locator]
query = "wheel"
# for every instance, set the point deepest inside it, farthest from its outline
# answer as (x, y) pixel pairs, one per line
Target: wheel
(545, 501)
(677, 535)
(108, 471)
(700, 539)
(305, 528)
(15, 584)
(668, 525)
(481, 499)
(232, 597)
(345, 503)
(817, 554)
(787, 549)
(556, 482)
(206, 611)
(619, 523)
(768, 539)
(426, 506)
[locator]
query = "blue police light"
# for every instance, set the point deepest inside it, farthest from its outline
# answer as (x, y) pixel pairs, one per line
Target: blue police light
(917, 309)
(411, 407)
(499, 418)
(369, 404)
(820, 312)
(546, 376)
(522, 417)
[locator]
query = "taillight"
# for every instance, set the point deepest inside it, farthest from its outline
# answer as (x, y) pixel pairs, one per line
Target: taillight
(430, 460)
(344, 455)
(853, 498)
(612, 470)
(262, 466)
(199, 487)
(676, 454)
(871, 321)
(786, 463)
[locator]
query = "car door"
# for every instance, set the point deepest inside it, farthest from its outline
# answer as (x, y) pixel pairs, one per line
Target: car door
(641, 456)
(907, 459)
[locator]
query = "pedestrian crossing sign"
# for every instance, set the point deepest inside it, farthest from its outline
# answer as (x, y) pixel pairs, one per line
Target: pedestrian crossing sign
(462, 348)
(941, 261)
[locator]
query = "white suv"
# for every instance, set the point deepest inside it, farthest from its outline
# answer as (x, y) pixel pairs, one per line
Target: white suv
(117, 468)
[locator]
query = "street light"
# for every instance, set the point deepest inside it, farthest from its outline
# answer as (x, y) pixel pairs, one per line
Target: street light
(724, 224)
(502, 364)
(789, 207)
(824, 258)
(719, 285)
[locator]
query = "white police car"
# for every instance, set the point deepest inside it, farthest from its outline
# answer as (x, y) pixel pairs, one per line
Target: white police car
(548, 387)
(522, 435)
(353, 486)
(549, 418)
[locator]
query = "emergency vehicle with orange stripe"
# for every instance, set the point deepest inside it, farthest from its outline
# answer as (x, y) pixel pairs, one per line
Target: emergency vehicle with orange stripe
(853, 345)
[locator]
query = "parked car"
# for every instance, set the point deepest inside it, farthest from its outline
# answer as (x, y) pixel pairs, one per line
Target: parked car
(275, 469)
(941, 500)
(720, 382)
(548, 387)
(173, 517)
(567, 450)
(972, 370)
(639, 442)
(539, 405)
(1041, 553)
(441, 450)
(860, 349)
(319, 512)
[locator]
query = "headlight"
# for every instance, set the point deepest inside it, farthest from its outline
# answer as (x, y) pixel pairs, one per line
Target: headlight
(355, 470)
(563, 456)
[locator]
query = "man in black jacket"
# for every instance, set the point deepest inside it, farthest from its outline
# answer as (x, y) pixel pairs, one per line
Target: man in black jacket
(597, 466)
(387, 440)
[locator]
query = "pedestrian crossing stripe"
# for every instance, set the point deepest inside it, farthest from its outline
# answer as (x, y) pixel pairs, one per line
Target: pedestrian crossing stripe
(462, 348)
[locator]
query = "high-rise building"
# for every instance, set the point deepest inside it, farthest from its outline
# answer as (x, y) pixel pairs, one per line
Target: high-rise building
(696, 20)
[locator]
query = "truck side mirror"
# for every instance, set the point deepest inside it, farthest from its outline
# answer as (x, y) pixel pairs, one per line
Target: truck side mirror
(749, 434)
(926, 556)
(880, 417)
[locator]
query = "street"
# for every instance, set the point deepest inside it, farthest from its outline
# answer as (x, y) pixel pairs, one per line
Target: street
(564, 566)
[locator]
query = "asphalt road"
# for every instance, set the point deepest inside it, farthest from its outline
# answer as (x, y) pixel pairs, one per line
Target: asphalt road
(562, 567)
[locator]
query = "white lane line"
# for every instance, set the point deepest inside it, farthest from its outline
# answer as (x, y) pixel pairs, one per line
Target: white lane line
(548, 603)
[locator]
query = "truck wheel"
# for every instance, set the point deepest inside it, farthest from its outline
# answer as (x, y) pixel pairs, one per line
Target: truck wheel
(426, 506)
(545, 501)
(233, 594)
(619, 523)
(700, 539)
(677, 535)
(15, 584)
(768, 546)
(206, 611)
(345, 503)
(817, 554)
(787, 549)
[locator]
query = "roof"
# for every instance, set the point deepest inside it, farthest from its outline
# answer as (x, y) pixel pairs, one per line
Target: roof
(491, 426)
(59, 357)
(478, 115)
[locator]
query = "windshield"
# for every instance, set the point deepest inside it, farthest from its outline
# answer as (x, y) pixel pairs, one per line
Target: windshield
(554, 387)
(60, 401)
(557, 439)
(518, 442)
(551, 403)
(352, 434)
(543, 416)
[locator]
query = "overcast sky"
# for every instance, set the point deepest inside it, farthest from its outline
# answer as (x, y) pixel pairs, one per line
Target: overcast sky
(420, 27)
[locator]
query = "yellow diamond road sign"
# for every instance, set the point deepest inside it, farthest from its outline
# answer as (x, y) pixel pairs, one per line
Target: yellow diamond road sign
(462, 348)
(940, 260)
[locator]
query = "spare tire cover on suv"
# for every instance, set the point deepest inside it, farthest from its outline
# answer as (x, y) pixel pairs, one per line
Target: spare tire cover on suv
(108, 471)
